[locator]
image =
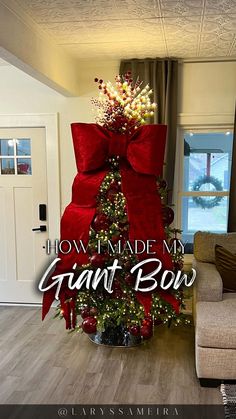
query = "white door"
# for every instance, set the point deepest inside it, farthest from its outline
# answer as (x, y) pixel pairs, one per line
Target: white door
(23, 187)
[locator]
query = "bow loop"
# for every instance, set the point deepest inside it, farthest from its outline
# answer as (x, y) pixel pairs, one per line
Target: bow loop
(144, 149)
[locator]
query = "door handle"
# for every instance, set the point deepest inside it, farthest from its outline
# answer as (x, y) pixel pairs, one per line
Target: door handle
(40, 228)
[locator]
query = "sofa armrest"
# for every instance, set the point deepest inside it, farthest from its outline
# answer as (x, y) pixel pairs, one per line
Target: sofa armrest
(208, 284)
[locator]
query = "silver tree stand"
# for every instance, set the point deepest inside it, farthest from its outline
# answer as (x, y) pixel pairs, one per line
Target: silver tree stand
(117, 336)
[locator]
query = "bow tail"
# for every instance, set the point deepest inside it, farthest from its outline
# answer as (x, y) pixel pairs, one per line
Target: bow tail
(145, 223)
(75, 225)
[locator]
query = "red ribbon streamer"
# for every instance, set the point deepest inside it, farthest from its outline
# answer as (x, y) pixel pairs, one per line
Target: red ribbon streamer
(141, 160)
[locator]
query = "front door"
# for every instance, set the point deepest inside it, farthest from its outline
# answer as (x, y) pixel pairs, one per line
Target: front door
(23, 187)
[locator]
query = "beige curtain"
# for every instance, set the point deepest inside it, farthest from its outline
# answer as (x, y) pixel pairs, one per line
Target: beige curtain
(232, 192)
(162, 76)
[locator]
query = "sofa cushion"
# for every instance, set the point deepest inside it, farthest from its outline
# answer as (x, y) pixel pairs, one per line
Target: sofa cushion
(208, 285)
(226, 266)
(216, 323)
(215, 363)
(204, 244)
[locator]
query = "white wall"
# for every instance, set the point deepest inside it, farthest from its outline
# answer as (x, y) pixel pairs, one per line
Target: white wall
(207, 88)
(204, 88)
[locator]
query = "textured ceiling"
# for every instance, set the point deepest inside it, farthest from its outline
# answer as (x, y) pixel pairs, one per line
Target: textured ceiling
(115, 29)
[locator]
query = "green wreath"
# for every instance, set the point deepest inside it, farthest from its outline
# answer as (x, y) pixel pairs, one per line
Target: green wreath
(203, 202)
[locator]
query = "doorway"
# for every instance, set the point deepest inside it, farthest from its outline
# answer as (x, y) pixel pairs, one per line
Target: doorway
(25, 208)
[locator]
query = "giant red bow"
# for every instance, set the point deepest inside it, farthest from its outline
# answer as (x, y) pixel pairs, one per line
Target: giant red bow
(141, 160)
(144, 149)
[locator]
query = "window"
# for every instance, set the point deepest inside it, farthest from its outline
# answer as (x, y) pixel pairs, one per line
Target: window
(15, 156)
(206, 166)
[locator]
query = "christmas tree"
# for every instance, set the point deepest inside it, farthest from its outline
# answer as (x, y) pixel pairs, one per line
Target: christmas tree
(118, 316)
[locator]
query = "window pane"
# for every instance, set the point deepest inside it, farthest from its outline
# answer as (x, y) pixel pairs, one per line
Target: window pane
(7, 147)
(23, 147)
(207, 161)
(7, 167)
(24, 167)
(206, 213)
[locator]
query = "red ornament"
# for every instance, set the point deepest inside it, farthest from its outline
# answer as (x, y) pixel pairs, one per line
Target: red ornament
(89, 325)
(167, 215)
(147, 321)
(85, 312)
(115, 186)
(100, 222)
(111, 194)
(134, 330)
(146, 332)
(98, 260)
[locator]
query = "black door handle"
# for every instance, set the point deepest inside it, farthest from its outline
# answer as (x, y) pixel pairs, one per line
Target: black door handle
(41, 228)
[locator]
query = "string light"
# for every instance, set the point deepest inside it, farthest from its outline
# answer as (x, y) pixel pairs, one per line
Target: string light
(123, 107)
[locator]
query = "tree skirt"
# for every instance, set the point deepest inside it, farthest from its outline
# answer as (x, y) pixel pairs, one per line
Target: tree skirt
(228, 392)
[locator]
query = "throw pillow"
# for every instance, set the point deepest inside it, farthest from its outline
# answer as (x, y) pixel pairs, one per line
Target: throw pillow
(226, 266)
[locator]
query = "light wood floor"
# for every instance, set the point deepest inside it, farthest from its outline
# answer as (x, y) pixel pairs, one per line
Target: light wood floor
(41, 363)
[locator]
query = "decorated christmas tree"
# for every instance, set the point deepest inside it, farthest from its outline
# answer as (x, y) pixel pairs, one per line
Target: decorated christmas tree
(125, 209)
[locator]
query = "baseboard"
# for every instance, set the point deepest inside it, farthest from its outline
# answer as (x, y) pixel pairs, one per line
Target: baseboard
(9, 304)
(21, 304)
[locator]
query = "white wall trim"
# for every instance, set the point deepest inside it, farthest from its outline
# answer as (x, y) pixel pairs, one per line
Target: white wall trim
(50, 123)
(193, 122)
(205, 119)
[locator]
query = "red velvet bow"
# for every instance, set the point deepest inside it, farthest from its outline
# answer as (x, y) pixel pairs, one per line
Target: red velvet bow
(144, 149)
(141, 160)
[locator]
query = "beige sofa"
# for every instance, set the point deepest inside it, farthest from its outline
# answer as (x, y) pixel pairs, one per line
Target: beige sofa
(215, 313)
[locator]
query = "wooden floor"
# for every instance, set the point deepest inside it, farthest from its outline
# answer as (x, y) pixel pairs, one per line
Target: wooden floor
(41, 363)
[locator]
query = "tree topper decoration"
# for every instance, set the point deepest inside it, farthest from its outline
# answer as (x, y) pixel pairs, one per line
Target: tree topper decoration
(123, 107)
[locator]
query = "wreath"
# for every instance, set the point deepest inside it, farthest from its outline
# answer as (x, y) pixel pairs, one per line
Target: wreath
(206, 202)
